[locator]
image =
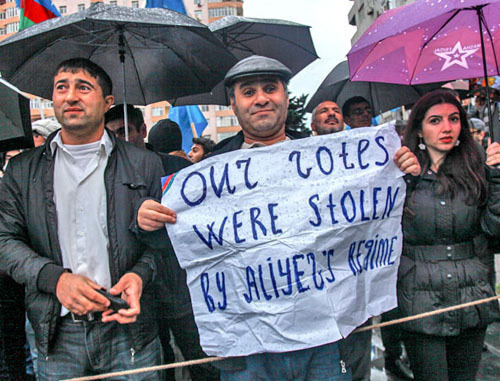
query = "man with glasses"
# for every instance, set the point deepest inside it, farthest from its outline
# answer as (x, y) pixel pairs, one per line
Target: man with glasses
(357, 112)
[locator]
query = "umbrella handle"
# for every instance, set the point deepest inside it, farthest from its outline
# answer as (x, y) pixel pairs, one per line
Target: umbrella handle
(121, 51)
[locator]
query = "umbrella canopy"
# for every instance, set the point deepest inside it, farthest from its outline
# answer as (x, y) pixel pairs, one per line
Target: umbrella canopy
(15, 120)
(285, 41)
(338, 87)
(163, 53)
(429, 41)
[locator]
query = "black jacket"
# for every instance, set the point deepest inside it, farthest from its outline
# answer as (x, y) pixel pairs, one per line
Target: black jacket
(234, 142)
(29, 245)
(444, 244)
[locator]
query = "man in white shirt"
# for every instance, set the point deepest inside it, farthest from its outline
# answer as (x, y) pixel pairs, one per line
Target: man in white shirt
(65, 213)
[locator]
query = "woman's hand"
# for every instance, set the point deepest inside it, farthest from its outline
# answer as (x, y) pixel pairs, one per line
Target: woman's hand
(407, 161)
(493, 154)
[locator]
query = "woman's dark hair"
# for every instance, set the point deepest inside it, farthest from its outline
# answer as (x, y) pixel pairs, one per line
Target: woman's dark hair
(463, 168)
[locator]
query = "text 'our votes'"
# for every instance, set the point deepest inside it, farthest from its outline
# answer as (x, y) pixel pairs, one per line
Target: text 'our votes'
(340, 158)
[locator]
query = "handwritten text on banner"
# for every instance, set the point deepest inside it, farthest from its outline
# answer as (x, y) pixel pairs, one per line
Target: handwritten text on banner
(289, 246)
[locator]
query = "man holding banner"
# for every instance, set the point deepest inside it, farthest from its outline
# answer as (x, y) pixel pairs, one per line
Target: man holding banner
(271, 326)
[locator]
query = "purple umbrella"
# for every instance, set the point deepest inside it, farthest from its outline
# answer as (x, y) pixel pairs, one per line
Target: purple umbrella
(430, 41)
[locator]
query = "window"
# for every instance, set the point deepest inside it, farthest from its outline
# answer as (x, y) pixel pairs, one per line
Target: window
(34, 103)
(214, 1)
(3, 31)
(226, 121)
(197, 2)
(157, 111)
(12, 12)
(220, 12)
(12, 27)
(2, 15)
(81, 7)
(47, 104)
(204, 108)
(197, 14)
(135, 4)
(222, 108)
(63, 10)
(113, 2)
(225, 135)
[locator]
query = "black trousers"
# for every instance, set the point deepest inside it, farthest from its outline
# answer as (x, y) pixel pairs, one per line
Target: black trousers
(12, 334)
(392, 335)
(187, 339)
(441, 358)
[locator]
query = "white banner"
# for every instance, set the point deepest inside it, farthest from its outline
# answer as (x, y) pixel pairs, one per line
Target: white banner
(290, 246)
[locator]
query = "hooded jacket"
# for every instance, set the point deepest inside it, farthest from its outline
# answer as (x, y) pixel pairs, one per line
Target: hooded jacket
(29, 245)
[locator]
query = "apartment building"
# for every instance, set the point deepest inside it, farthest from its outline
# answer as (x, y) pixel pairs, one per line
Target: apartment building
(364, 12)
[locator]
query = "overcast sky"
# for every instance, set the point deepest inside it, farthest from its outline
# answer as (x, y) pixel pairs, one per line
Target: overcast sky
(330, 31)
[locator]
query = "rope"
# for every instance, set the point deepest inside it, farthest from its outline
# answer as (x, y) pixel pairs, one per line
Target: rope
(213, 359)
(427, 314)
(148, 369)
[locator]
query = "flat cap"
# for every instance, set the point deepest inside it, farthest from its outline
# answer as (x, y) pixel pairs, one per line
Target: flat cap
(45, 127)
(257, 65)
(478, 124)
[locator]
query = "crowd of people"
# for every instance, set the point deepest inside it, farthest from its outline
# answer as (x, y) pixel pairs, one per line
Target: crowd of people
(81, 223)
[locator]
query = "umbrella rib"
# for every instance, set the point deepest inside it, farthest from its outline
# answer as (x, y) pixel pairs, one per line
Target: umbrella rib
(431, 37)
(491, 41)
(244, 29)
(255, 36)
(233, 35)
(135, 69)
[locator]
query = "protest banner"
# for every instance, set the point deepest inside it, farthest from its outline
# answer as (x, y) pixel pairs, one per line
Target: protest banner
(289, 246)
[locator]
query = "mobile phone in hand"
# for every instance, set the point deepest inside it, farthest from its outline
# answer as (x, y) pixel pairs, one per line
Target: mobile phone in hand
(117, 303)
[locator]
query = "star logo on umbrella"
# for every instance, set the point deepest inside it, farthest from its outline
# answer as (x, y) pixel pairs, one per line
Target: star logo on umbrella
(457, 56)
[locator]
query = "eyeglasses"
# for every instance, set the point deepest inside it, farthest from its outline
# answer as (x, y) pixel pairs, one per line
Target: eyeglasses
(361, 111)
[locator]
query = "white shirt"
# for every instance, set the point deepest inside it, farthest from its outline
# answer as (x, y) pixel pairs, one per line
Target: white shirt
(80, 198)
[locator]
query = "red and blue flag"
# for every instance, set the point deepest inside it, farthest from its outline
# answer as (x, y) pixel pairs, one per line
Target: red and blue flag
(35, 11)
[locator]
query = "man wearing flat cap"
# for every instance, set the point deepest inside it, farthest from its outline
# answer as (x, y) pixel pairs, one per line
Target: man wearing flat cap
(257, 88)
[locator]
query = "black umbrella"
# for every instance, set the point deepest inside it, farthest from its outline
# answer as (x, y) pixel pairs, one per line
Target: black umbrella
(15, 120)
(286, 41)
(382, 97)
(155, 54)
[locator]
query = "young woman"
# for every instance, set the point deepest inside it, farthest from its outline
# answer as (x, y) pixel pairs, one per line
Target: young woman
(452, 209)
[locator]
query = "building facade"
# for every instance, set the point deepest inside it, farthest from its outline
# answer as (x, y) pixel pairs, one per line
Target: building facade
(364, 12)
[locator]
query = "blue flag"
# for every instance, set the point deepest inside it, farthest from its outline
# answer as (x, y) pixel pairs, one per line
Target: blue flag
(175, 5)
(184, 116)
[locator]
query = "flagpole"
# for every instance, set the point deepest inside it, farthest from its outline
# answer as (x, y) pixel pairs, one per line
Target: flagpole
(193, 130)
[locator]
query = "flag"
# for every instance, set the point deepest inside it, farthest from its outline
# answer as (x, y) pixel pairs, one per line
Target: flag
(188, 118)
(35, 11)
(175, 5)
